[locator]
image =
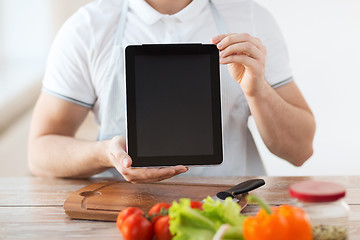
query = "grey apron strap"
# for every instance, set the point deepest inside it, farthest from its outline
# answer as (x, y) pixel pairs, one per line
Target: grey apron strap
(122, 22)
(119, 34)
(113, 119)
(113, 116)
(218, 20)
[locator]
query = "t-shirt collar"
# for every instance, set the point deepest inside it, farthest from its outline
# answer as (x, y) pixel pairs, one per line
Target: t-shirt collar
(149, 15)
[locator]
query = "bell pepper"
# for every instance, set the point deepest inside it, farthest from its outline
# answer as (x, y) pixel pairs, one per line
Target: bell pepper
(281, 223)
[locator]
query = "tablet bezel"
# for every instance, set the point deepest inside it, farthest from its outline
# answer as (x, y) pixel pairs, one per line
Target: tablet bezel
(170, 49)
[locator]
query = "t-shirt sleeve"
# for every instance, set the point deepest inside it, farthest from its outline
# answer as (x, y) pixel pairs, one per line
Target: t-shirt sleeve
(67, 73)
(277, 70)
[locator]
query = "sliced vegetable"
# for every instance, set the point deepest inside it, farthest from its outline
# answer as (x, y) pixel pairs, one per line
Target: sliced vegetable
(284, 222)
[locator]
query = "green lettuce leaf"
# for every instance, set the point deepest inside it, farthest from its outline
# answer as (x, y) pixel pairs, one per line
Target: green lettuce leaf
(234, 233)
(187, 223)
(226, 212)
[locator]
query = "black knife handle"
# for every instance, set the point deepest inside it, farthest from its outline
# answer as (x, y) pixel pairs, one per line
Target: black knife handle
(246, 186)
(241, 188)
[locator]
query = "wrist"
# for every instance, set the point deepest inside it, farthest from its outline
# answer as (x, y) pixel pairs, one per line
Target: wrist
(261, 91)
(103, 153)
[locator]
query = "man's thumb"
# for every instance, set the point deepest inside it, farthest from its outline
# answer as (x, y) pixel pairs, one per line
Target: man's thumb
(126, 162)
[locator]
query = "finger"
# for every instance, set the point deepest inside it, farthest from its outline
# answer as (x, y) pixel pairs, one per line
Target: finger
(172, 176)
(260, 44)
(121, 160)
(246, 48)
(122, 163)
(180, 168)
(165, 172)
(238, 38)
(218, 38)
(117, 150)
(155, 174)
(239, 59)
(151, 174)
(137, 175)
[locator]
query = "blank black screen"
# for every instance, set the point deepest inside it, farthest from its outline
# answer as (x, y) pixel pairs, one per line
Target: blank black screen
(173, 105)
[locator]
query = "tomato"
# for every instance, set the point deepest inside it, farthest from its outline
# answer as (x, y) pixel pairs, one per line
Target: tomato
(197, 205)
(156, 209)
(125, 213)
(136, 227)
(161, 228)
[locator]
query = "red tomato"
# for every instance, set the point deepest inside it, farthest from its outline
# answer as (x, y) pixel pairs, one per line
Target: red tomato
(161, 228)
(136, 227)
(125, 213)
(197, 205)
(156, 209)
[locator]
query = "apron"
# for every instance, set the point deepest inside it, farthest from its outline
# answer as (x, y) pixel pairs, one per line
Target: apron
(116, 125)
(115, 103)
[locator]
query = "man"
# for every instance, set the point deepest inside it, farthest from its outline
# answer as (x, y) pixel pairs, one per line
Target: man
(85, 72)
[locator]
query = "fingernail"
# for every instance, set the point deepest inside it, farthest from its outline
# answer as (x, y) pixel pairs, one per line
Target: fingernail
(221, 59)
(219, 45)
(184, 170)
(126, 162)
(221, 53)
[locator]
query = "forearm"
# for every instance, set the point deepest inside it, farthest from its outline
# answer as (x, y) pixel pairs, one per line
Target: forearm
(284, 120)
(62, 156)
(286, 130)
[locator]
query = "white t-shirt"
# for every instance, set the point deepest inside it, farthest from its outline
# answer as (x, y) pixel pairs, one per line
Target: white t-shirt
(78, 62)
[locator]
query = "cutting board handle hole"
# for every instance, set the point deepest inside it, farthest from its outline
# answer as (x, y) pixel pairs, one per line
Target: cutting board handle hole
(88, 194)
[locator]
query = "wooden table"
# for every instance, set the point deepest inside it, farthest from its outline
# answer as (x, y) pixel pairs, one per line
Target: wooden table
(32, 208)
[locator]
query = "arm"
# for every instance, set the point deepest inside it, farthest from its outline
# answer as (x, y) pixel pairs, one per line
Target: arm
(54, 152)
(284, 120)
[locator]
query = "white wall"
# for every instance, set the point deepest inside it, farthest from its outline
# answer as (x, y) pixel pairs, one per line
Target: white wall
(26, 28)
(1, 31)
(323, 38)
(25, 41)
(29, 29)
(63, 9)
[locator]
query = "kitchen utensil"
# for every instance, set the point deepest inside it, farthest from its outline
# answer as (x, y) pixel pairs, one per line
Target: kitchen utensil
(104, 200)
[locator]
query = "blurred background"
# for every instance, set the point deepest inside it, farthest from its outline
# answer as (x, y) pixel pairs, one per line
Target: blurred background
(323, 39)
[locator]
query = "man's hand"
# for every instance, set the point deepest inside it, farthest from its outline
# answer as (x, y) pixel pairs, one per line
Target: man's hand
(284, 119)
(122, 162)
(245, 56)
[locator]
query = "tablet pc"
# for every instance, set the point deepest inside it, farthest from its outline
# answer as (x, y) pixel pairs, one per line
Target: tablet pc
(173, 105)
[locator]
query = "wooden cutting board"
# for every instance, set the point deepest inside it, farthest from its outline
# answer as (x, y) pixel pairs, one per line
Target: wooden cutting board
(104, 200)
